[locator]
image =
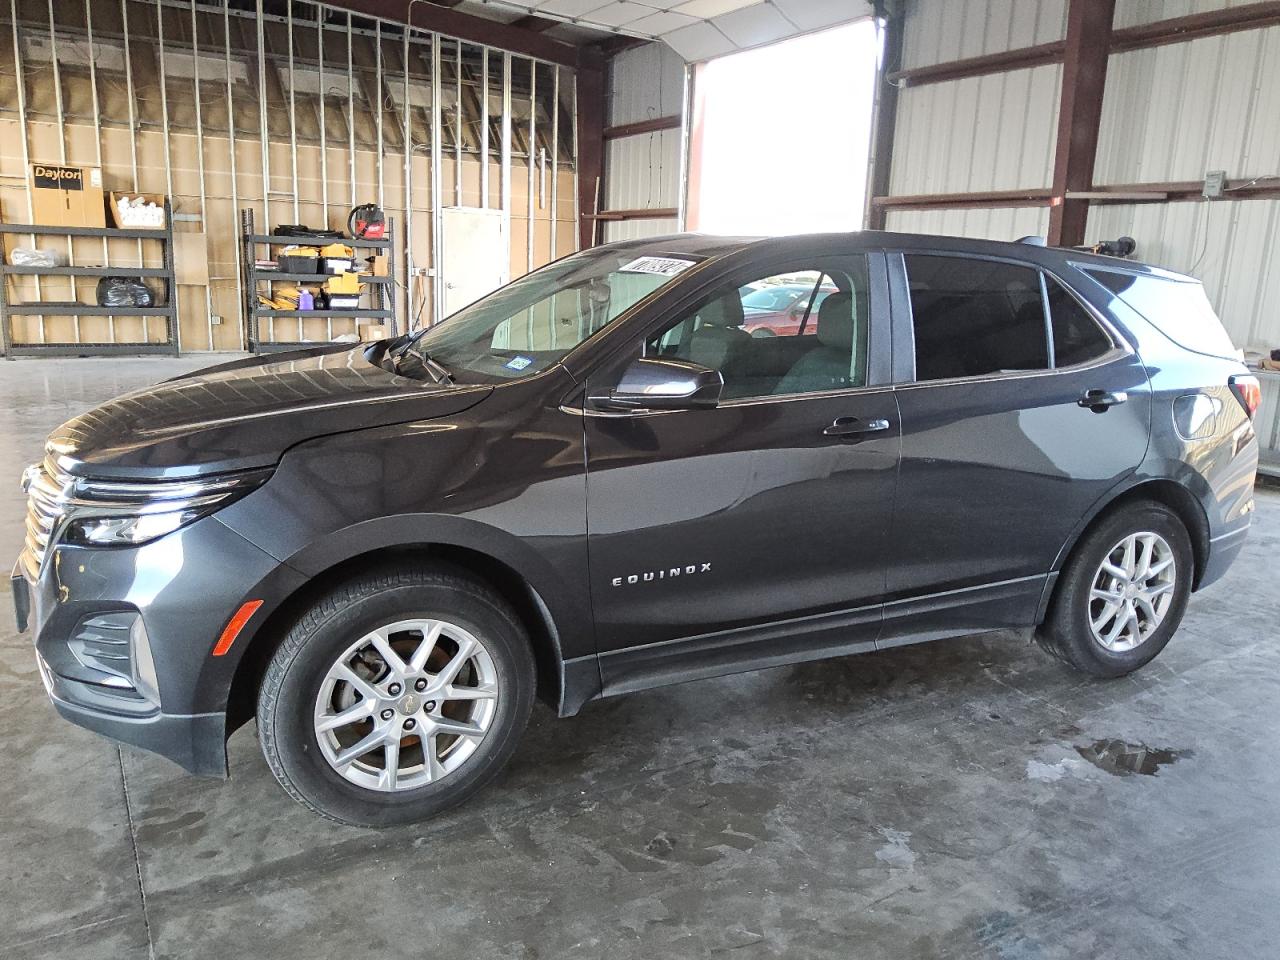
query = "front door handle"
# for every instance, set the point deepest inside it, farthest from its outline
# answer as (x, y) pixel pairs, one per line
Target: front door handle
(854, 428)
(1099, 401)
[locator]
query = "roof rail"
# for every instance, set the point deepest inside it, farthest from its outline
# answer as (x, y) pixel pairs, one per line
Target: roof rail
(1033, 241)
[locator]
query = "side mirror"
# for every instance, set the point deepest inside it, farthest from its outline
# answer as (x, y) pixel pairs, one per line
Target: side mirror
(662, 383)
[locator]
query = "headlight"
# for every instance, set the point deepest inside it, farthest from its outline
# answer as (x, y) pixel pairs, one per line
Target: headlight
(113, 513)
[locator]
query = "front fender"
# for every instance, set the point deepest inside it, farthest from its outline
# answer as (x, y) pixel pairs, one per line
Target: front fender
(565, 600)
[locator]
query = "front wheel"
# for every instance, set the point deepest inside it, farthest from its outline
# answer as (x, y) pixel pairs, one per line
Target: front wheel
(395, 697)
(1122, 595)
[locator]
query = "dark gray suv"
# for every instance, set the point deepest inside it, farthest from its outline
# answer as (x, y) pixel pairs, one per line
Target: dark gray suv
(595, 480)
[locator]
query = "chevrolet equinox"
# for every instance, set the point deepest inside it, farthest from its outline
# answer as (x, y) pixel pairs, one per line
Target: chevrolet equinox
(595, 480)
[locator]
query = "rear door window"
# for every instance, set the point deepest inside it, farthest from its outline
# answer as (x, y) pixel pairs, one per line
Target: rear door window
(1077, 338)
(975, 317)
(1177, 308)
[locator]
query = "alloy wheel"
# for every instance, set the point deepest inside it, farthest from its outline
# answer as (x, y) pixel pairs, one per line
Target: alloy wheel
(1132, 591)
(406, 704)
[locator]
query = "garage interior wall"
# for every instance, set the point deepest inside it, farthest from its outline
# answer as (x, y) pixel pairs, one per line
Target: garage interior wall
(1170, 113)
(643, 145)
(177, 98)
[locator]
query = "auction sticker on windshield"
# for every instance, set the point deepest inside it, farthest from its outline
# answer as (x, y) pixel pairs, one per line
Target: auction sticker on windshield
(665, 266)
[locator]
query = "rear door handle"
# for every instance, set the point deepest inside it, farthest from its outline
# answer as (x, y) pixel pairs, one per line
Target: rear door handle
(1099, 401)
(854, 428)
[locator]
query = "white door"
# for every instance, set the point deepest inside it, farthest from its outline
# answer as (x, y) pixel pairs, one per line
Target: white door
(476, 258)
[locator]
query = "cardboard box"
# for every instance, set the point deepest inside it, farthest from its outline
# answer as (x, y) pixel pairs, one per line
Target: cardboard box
(343, 283)
(374, 331)
(156, 198)
(379, 265)
(63, 196)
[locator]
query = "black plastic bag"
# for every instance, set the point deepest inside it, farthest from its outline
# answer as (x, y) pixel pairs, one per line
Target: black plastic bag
(124, 292)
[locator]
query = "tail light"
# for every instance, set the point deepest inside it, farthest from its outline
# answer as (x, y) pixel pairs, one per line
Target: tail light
(1248, 391)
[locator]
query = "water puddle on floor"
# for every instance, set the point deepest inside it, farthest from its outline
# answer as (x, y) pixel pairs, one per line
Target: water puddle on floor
(1121, 759)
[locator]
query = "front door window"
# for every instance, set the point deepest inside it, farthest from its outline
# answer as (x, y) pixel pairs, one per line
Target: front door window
(792, 332)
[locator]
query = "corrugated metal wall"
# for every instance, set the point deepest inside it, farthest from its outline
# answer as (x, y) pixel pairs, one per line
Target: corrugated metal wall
(645, 82)
(1227, 118)
(981, 133)
(996, 223)
(643, 172)
(1131, 13)
(1227, 114)
(938, 31)
(977, 134)
(1170, 113)
(1234, 247)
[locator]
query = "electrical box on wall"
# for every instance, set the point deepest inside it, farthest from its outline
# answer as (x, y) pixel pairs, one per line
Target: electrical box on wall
(1215, 181)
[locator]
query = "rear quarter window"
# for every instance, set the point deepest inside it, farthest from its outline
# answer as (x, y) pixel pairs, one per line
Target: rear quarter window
(1177, 308)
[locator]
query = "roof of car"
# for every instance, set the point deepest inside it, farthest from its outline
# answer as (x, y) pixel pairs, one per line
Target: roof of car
(712, 246)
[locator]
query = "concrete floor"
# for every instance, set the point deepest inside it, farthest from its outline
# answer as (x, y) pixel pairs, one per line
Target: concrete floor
(955, 800)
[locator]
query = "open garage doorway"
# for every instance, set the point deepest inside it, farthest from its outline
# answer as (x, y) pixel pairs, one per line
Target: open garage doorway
(780, 136)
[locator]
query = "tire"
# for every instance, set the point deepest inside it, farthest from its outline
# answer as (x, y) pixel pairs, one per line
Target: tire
(304, 688)
(1068, 631)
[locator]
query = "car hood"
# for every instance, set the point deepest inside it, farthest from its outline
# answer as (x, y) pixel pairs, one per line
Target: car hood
(246, 413)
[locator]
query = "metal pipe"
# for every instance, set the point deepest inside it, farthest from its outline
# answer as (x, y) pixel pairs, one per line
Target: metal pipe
(577, 212)
(231, 149)
(505, 171)
(380, 107)
(62, 152)
(293, 123)
(457, 124)
(351, 115)
(555, 159)
(263, 133)
(484, 127)
(168, 167)
(26, 152)
(324, 147)
(438, 282)
(97, 132)
(133, 124)
(263, 129)
(531, 151)
(204, 201)
(685, 146)
(408, 187)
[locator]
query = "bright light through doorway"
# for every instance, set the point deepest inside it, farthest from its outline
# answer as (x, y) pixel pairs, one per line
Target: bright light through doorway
(782, 135)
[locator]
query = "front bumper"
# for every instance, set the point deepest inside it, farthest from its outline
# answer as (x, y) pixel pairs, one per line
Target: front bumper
(153, 684)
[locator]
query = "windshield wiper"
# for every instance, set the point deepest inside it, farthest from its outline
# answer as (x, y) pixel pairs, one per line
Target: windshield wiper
(410, 339)
(436, 369)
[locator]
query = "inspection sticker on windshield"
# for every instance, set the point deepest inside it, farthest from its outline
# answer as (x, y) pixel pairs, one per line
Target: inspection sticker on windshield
(665, 266)
(518, 363)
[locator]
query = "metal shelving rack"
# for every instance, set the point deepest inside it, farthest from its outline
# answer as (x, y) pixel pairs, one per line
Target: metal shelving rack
(254, 312)
(168, 310)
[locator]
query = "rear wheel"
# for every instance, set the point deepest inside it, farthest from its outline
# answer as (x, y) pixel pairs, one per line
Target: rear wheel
(1122, 595)
(395, 697)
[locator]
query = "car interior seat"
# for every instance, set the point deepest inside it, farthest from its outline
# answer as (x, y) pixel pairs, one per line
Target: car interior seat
(719, 332)
(828, 364)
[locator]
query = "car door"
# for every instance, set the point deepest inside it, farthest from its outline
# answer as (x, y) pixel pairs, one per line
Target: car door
(1020, 409)
(755, 532)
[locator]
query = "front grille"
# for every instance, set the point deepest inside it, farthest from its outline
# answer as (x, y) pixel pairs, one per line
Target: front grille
(47, 489)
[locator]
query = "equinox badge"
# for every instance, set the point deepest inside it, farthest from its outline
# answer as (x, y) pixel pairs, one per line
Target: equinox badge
(668, 573)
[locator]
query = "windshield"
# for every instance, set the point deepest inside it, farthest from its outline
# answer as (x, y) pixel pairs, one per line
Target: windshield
(771, 298)
(529, 325)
